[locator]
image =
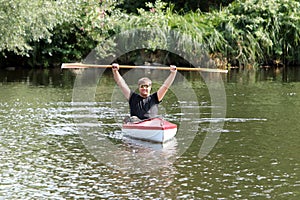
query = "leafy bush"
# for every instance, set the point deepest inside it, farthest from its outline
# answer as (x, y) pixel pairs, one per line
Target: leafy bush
(261, 31)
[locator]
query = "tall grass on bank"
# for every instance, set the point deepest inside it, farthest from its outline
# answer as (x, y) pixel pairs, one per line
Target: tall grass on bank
(252, 32)
(263, 31)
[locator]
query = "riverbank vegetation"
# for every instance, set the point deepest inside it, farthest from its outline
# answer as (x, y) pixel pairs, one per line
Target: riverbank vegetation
(236, 33)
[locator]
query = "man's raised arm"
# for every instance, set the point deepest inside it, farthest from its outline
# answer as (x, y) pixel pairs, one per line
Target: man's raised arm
(168, 82)
(120, 81)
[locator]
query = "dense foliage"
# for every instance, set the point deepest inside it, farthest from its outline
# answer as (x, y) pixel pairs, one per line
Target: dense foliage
(26, 26)
(181, 6)
(263, 30)
(25, 21)
(252, 32)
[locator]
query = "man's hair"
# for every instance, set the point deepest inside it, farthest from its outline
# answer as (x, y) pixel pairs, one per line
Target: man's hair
(144, 80)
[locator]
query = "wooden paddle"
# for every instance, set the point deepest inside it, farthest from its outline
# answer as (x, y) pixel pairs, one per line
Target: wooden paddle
(81, 66)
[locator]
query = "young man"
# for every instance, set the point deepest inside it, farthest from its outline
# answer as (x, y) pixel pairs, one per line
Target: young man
(143, 105)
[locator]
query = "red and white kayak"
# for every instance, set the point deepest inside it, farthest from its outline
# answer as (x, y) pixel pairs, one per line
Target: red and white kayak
(154, 130)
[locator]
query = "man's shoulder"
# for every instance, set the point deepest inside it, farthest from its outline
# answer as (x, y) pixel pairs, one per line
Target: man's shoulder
(133, 96)
(154, 94)
(155, 97)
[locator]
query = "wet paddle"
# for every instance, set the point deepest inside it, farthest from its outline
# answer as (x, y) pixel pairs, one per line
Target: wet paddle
(82, 66)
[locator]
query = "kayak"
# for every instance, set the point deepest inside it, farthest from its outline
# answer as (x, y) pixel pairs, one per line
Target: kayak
(154, 130)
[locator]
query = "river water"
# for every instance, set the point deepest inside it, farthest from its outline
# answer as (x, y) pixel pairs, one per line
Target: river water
(53, 147)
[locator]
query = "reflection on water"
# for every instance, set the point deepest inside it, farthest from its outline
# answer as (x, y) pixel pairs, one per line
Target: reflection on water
(43, 155)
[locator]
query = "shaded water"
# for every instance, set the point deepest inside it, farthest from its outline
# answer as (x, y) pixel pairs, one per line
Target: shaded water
(43, 154)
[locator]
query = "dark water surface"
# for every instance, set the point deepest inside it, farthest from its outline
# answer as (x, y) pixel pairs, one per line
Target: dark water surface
(44, 156)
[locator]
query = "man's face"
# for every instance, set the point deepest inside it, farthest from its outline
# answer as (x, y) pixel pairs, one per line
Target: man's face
(145, 89)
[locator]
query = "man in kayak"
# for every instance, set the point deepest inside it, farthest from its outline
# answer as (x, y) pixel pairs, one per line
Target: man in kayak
(143, 105)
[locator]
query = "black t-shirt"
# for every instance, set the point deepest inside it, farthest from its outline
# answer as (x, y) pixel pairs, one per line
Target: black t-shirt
(143, 108)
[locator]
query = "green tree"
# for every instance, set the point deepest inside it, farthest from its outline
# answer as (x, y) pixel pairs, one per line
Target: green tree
(24, 22)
